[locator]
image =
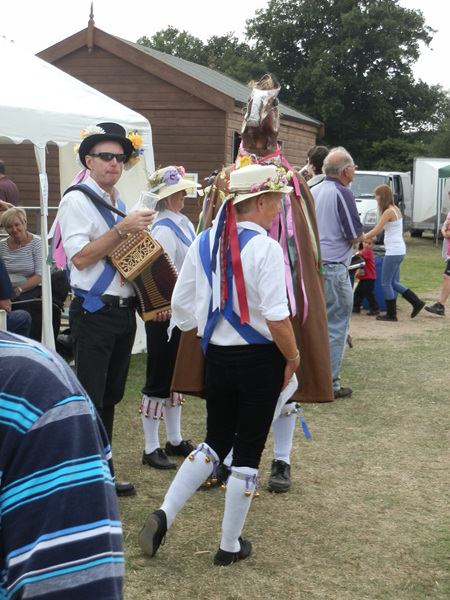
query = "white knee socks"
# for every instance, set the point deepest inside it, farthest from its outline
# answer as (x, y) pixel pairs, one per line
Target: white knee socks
(151, 408)
(197, 467)
(172, 418)
(156, 409)
(238, 497)
(283, 433)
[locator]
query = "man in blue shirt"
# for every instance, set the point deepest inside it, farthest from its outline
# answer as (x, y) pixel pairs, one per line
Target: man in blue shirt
(339, 229)
(60, 529)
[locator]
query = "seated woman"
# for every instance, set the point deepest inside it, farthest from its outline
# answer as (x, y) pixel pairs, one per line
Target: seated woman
(21, 253)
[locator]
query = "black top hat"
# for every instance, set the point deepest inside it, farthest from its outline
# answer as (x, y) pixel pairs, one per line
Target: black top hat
(113, 132)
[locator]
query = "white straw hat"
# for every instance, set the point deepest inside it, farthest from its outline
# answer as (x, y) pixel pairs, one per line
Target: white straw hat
(254, 180)
(169, 180)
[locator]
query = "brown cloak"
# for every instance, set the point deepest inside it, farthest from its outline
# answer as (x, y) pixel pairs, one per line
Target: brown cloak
(314, 373)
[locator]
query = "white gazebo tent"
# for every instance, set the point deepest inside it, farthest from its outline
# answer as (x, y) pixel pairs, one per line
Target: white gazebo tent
(42, 104)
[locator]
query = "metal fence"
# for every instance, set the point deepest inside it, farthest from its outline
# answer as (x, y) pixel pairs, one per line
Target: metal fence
(33, 219)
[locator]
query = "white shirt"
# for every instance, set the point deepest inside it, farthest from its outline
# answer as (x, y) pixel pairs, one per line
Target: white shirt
(263, 268)
(25, 261)
(168, 239)
(393, 236)
(80, 223)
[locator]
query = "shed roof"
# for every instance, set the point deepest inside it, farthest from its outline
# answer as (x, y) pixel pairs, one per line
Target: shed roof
(219, 81)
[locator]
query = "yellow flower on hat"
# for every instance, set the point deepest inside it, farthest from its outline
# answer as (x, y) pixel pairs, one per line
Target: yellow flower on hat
(135, 139)
(245, 161)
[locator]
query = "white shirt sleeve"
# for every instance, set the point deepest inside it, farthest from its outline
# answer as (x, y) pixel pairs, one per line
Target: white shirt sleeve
(184, 293)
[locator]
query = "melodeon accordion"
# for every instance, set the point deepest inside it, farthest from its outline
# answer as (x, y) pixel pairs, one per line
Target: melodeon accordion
(142, 261)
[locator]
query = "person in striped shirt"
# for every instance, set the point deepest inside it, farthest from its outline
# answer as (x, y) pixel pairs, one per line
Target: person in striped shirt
(60, 530)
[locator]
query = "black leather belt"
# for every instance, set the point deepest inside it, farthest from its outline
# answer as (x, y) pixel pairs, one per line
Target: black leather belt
(118, 301)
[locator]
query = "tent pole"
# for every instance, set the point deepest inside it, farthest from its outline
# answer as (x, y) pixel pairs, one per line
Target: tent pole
(47, 323)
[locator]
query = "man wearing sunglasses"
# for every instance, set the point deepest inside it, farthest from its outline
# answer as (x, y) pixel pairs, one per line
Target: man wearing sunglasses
(102, 314)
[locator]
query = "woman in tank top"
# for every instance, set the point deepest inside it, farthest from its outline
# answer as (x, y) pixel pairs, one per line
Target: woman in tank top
(391, 221)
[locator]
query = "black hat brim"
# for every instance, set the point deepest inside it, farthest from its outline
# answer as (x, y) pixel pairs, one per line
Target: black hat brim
(88, 143)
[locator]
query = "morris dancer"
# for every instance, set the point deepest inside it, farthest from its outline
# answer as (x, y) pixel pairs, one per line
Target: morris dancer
(232, 290)
(102, 314)
(175, 233)
(296, 230)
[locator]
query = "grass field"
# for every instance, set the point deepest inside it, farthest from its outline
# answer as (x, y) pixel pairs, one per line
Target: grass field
(368, 514)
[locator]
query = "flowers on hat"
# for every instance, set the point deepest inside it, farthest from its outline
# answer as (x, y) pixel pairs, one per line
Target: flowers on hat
(278, 182)
(86, 132)
(169, 177)
(91, 130)
(136, 139)
(245, 161)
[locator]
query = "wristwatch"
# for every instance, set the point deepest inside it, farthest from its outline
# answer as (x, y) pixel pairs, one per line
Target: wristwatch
(20, 289)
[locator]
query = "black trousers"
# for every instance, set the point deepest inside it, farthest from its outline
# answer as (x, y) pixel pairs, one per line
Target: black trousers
(364, 289)
(103, 341)
(242, 385)
(161, 356)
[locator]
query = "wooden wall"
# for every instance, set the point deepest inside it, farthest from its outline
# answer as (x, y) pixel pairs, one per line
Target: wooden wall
(296, 138)
(21, 167)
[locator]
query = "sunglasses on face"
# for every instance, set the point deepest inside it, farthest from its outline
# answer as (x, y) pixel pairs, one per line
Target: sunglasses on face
(108, 156)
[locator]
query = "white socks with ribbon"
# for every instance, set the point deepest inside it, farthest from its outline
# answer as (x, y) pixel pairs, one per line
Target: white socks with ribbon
(172, 418)
(154, 410)
(151, 413)
(238, 497)
(197, 467)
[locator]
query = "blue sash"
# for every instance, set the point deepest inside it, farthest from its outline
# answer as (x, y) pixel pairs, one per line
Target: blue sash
(176, 229)
(246, 331)
(92, 301)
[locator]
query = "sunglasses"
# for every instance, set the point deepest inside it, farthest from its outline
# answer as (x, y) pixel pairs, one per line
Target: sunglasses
(108, 156)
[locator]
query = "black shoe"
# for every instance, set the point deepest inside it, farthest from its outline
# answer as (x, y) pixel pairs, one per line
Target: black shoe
(183, 449)
(280, 477)
(224, 558)
(373, 313)
(386, 317)
(153, 533)
(125, 488)
(343, 392)
(158, 460)
(217, 479)
(356, 309)
(436, 309)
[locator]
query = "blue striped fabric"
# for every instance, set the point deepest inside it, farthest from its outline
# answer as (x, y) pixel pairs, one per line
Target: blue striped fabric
(60, 530)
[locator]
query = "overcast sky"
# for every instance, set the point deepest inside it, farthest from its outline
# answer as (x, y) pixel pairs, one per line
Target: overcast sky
(38, 24)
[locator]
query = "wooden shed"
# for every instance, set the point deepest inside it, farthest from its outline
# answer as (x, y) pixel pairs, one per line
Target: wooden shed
(196, 112)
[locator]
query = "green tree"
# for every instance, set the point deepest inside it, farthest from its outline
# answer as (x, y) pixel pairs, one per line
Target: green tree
(349, 64)
(439, 146)
(224, 53)
(394, 154)
(177, 43)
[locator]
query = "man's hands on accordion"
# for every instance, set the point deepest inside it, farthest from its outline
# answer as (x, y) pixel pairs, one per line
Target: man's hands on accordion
(92, 252)
(163, 315)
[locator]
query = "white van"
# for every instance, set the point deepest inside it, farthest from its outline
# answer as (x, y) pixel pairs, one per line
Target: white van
(363, 186)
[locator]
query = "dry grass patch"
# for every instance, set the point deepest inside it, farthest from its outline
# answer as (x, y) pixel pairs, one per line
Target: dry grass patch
(367, 517)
